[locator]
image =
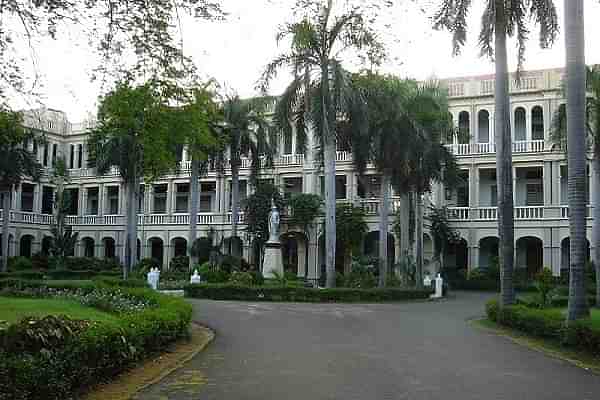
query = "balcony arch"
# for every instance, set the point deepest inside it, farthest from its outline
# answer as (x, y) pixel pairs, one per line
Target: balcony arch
(26, 245)
(156, 245)
(483, 126)
(520, 124)
(530, 254)
(179, 246)
(488, 252)
(456, 256)
(109, 247)
(88, 245)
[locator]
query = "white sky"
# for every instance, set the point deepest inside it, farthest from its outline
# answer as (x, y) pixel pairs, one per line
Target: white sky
(235, 51)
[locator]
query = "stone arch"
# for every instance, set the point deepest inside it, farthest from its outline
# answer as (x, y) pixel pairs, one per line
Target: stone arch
(530, 254)
(565, 253)
(371, 247)
(46, 245)
(294, 252)
(88, 246)
(520, 122)
(179, 247)
(483, 126)
(457, 255)
(157, 250)
(110, 248)
(202, 248)
(488, 251)
(26, 245)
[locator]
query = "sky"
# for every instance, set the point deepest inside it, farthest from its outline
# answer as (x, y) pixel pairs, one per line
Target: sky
(235, 51)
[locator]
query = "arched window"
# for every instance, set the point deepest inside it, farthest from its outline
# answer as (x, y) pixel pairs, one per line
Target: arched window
(537, 123)
(520, 124)
(464, 131)
(484, 126)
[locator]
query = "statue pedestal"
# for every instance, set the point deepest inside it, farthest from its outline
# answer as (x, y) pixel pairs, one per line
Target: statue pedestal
(273, 261)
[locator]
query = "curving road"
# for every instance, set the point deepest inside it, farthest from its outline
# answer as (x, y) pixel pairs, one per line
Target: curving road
(411, 351)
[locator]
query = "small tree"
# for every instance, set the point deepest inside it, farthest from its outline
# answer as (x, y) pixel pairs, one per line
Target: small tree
(305, 208)
(351, 228)
(441, 231)
(256, 210)
(63, 238)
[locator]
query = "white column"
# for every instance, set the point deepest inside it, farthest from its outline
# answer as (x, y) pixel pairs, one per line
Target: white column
(528, 134)
(101, 199)
(547, 179)
(170, 196)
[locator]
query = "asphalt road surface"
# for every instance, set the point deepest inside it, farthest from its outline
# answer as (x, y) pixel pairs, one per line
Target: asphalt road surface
(423, 350)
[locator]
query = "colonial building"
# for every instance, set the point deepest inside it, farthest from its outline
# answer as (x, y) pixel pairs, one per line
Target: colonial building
(540, 182)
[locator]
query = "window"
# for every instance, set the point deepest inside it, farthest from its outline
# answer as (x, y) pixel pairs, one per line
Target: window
(340, 187)
(242, 192)
(79, 156)
(54, 153)
(207, 193)
(92, 201)
(484, 126)
(112, 194)
(287, 144)
(537, 123)
(27, 197)
(464, 127)
(462, 196)
(535, 194)
(160, 199)
(181, 197)
(47, 199)
(520, 124)
(72, 199)
(72, 156)
(493, 195)
(45, 156)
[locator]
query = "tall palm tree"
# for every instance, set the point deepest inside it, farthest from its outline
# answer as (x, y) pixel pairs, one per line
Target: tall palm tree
(133, 121)
(559, 137)
(502, 19)
(318, 41)
(249, 132)
(16, 162)
(576, 94)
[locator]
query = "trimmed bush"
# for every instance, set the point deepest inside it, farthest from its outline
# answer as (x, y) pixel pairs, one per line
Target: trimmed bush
(301, 294)
(92, 354)
(19, 264)
(549, 324)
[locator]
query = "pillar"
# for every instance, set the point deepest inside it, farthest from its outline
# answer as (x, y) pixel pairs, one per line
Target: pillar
(101, 199)
(473, 187)
(170, 197)
(547, 181)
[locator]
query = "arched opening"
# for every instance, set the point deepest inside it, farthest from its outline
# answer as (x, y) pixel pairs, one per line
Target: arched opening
(294, 252)
(530, 255)
(537, 123)
(371, 247)
(25, 245)
(156, 250)
(179, 247)
(565, 254)
(233, 246)
(488, 252)
(201, 249)
(109, 247)
(457, 256)
(88, 246)
(483, 124)
(464, 130)
(520, 124)
(46, 245)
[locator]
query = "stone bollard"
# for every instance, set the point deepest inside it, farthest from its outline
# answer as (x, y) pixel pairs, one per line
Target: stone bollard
(439, 282)
(195, 278)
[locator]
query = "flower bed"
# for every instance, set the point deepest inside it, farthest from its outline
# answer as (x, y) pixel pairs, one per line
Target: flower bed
(547, 323)
(301, 294)
(60, 367)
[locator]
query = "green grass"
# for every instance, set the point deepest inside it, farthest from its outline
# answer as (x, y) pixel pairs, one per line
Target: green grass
(13, 309)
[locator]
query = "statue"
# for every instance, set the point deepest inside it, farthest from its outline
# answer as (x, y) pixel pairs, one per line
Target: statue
(273, 223)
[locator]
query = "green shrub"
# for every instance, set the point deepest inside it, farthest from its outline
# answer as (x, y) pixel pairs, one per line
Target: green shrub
(23, 274)
(144, 266)
(301, 294)
(180, 264)
(213, 274)
(19, 264)
(116, 282)
(549, 324)
(544, 283)
(93, 354)
(241, 278)
(40, 261)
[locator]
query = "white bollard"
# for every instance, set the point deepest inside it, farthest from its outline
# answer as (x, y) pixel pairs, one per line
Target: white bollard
(439, 282)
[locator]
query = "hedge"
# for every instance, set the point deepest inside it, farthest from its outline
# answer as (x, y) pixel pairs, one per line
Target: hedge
(95, 354)
(549, 324)
(300, 294)
(56, 274)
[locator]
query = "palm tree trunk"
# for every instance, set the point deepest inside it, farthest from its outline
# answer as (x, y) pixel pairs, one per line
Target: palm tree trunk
(419, 239)
(194, 203)
(576, 128)
(235, 199)
(596, 224)
(130, 239)
(404, 227)
(384, 211)
(5, 222)
(504, 161)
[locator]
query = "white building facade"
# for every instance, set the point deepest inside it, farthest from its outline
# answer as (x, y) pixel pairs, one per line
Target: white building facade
(97, 210)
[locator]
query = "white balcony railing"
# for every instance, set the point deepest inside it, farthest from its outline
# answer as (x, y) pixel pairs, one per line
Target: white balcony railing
(342, 156)
(521, 146)
(286, 160)
(528, 146)
(486, 213)
(531, 212)
(458, 213)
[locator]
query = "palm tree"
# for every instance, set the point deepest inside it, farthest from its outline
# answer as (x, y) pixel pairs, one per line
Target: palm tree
(132, 122)
(16, 162)
(249, 132)
(559, 137)
(320, 91)
(576, 94)
(501, 19)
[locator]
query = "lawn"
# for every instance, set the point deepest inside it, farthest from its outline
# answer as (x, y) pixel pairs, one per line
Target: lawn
(12, 309)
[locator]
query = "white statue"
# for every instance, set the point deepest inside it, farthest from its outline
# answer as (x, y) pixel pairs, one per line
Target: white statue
(195, 278)
(273, 223)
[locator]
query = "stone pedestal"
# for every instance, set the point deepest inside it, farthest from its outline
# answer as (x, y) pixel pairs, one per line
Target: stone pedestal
(273, 261)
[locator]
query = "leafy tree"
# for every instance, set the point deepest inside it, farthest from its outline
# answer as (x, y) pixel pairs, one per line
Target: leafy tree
(441, 231)
(63, 238)
(256, 210)
(501, 19)
(138, 30)
(321, 88)
(576, 94)
(559, 136)
(248, 131)
(351, 228)
(305, 208)
(135, 135)
(16, 163)
(198, 121)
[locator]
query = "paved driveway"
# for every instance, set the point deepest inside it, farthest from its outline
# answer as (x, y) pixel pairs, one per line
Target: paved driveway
(375, 351)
